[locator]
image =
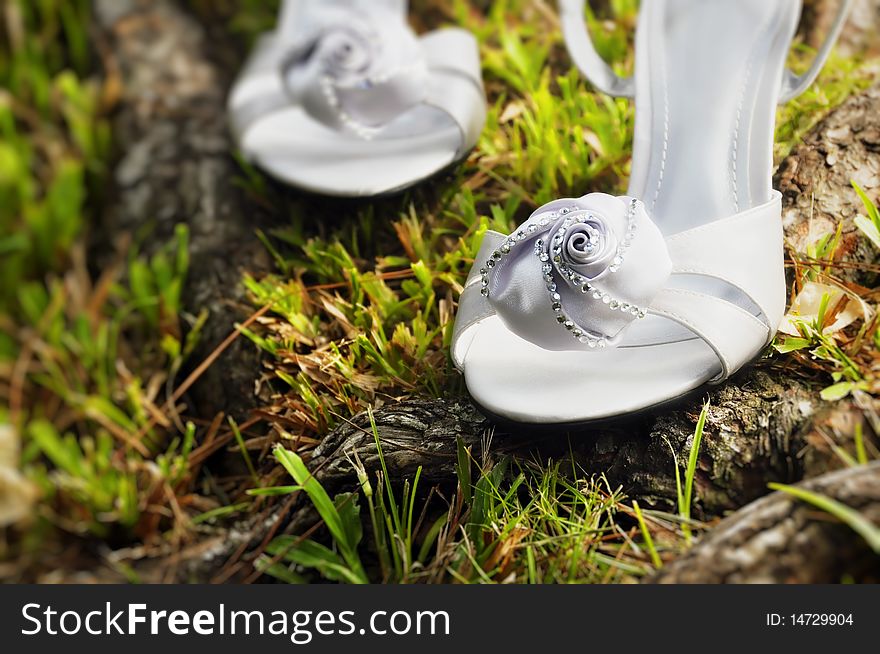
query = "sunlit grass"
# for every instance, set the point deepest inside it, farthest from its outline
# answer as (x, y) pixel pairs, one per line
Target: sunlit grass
(85, 359)
(508, 521)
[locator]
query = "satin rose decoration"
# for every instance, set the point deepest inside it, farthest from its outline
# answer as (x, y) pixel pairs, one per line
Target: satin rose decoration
(359, 71)
(578, 272)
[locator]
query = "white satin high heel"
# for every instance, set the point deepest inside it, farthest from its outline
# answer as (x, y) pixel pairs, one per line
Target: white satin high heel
(599, 307)
(344, 99)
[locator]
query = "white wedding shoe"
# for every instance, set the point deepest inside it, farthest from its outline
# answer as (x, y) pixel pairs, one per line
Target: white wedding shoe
(344, 99)
(600, 306)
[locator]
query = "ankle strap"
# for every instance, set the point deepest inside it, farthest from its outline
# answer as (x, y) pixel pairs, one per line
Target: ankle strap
(794, 85)
(586, 58)
(583, 52)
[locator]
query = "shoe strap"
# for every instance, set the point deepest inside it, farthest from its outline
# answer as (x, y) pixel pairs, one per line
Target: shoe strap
(582, 50)
(732, 332)
(794, 85)
(455, 85)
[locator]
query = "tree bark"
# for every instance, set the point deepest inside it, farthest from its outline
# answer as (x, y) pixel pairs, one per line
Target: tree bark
(175, 166)
(782, 539)
(752, 437)
(815, 181)
(858, 38)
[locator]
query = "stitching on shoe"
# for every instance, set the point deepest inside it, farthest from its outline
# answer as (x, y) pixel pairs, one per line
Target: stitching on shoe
(665, 140)
(665, 150)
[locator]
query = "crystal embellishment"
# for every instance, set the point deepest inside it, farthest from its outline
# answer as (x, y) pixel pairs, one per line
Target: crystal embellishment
(577, 249)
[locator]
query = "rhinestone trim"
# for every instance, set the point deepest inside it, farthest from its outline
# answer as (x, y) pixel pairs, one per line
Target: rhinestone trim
(551, 257)
(578, 332)
(365, 132)
(631, 227)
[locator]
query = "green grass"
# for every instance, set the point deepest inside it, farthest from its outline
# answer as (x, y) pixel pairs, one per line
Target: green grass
(52, 147)
(508, 521)
(685, 493)
(847, 515)
(85, 359)
(846, 357)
